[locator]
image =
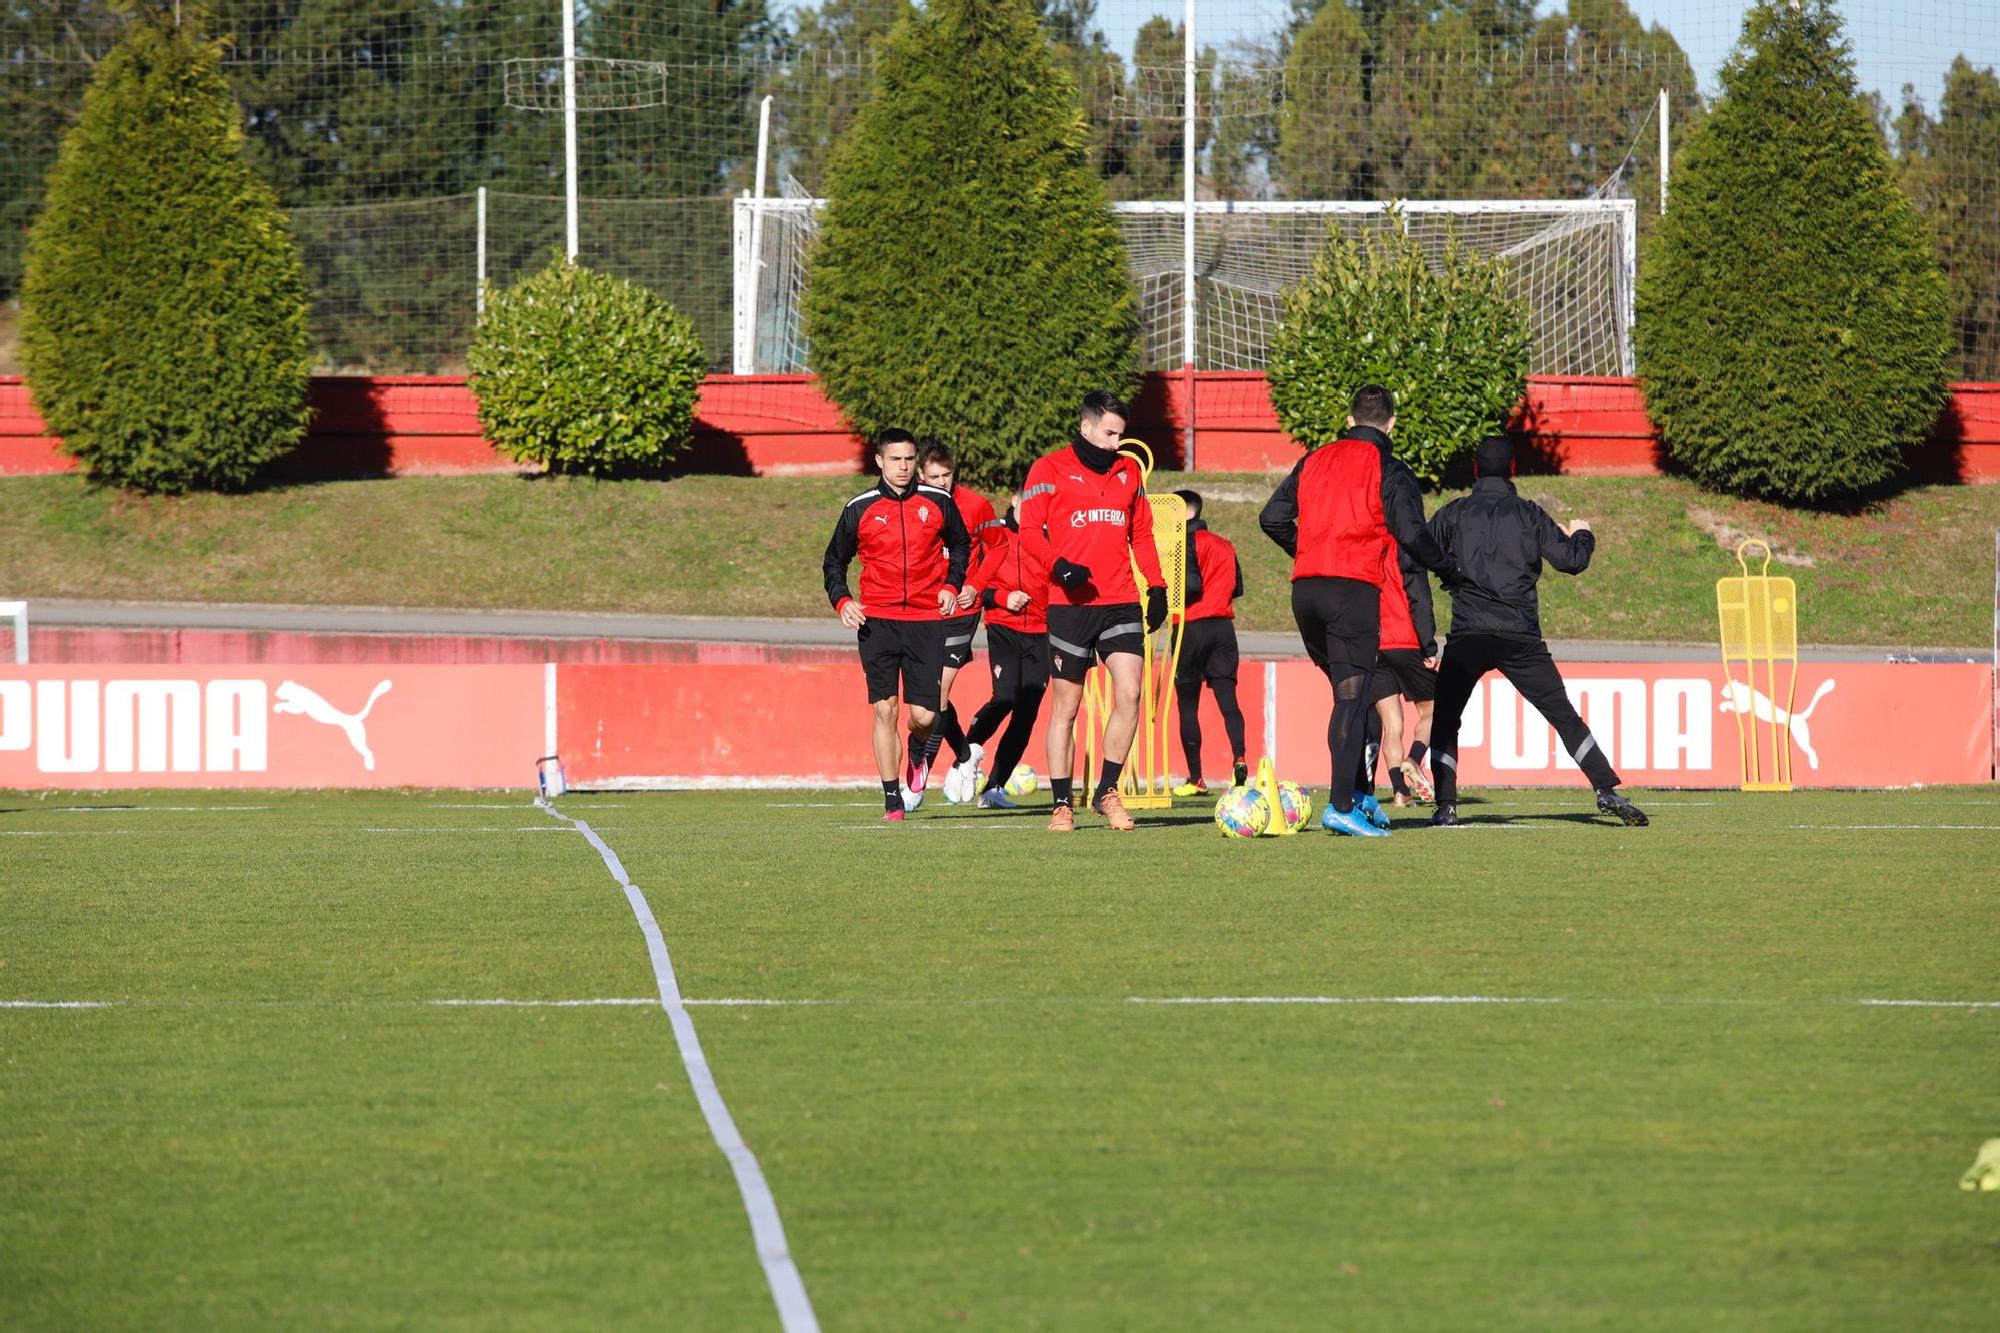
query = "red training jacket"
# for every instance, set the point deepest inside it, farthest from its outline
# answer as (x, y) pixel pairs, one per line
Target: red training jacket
(1216, 557)
(1336, 493)
(912, 546)
(985, 529)
(1399, 629)
(1101, 522)
(1017, 570)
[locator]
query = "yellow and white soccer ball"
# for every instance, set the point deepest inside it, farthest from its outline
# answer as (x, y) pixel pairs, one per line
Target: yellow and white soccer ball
(1023, 781)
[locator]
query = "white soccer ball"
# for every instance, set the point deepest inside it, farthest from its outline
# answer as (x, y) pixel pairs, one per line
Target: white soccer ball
(1023, 781)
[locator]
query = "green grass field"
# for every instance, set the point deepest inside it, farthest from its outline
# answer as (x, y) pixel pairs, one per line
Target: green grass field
(1697, 1122)
(1915, 569)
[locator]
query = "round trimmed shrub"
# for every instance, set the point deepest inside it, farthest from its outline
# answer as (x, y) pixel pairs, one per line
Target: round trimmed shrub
(1794, 329)
(969, 282)
(1446, 338)
(165, 332)
(581, 371)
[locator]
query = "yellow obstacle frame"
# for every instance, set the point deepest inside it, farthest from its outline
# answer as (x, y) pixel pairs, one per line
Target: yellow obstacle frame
(1760, 632)
(1145, 784)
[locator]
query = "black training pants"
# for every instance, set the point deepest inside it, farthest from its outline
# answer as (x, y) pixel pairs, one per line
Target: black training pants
(1340, 621)
(1208, 653)
(1020, 666)
(1528, 667)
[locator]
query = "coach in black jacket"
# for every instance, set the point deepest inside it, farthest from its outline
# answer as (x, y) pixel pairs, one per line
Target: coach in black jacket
(1500, 541)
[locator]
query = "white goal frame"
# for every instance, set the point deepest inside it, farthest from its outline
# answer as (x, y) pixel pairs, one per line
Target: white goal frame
(752, 215)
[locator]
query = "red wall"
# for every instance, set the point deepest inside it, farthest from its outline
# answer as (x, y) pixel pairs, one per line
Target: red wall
(780, 425)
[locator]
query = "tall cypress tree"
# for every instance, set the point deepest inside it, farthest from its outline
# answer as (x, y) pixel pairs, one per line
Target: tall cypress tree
(969, 282)
(1793, 327)
(164, 329)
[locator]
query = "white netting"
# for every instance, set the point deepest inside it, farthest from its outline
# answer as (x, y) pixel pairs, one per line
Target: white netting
(1571, 262)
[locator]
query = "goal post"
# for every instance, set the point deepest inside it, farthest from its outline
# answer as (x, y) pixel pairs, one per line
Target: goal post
(1574, 265)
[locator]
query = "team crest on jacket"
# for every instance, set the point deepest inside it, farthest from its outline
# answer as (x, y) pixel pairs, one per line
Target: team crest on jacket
(923, 513)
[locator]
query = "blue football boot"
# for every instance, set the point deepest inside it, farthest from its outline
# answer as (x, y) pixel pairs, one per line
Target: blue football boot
(1371, 809)
(1354, 824)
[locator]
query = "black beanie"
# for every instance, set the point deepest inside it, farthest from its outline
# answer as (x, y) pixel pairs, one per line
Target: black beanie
(1495, 456)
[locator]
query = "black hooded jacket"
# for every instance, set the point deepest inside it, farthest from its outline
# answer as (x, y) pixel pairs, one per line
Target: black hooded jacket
(1500, 542)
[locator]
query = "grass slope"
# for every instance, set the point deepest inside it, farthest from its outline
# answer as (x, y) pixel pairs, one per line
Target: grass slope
(1915, 570)
(978, 1126)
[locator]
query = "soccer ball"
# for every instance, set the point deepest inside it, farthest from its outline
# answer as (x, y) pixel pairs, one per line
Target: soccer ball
(1293, 804)
(1023, 781)
(1242, 813)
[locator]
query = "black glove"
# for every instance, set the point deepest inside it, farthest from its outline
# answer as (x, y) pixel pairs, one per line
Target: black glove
(1069, 574)
(1156, 609)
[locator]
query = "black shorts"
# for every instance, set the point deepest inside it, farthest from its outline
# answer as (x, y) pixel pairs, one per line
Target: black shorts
(1340, 621)
(1019, 661)
(958, 632)
(1208, 652)
(1402, 671)
(1079, 635)
(912, 649)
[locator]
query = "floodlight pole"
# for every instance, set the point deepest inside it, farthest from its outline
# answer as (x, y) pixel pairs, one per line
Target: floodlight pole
(569, 127)
(1187, 223)
(479, 259)
(756, 261)
(1663, 152)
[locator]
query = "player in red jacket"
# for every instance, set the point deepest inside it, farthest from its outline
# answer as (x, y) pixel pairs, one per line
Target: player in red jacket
(937, 468)
(1084, 515)
(1340, 515)
(913, 550)
(1208, 646)
(1016, 598)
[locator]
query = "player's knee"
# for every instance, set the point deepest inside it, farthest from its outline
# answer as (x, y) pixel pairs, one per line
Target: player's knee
(885, 710)
(921, 718)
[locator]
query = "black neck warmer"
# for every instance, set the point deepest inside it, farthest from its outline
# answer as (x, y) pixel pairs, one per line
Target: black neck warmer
(1096, 459)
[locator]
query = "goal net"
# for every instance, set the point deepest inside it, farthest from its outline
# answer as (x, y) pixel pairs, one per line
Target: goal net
(1572, 263)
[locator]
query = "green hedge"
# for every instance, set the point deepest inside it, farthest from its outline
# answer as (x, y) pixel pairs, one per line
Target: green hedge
(581, 371)
(1794, 330)
(164, 332)
(969, 283)
(1445, 338)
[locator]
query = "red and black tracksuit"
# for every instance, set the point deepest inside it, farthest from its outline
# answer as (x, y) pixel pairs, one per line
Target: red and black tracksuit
(912, 546)
(1017, 651)
(1341, 515)
(1208, 643)
(1085, 517)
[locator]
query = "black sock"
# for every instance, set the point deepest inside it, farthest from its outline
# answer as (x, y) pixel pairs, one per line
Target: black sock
(931, 745)
(948, 728)
(1417, 752)
(892, 794)
(1397, 781)
(1107, 777)
(1059, 791)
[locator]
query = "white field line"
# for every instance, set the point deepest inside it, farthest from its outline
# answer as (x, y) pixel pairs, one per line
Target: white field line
(647, 1000)
(58, 1004)
(1924, 828)
(788, 1289)
(146, 809)
(68, 833)
(1343, 999)
(743, 1002)
(469, 828)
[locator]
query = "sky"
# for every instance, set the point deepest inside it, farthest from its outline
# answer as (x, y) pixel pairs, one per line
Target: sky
(1895, 41)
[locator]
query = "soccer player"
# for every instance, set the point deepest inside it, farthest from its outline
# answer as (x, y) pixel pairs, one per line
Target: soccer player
(937, 468)
(1500, 542)
(1340, 514)
(1208, 646)
(1084, 515)
(1016, 597)
(1406, 668)
(913, 548)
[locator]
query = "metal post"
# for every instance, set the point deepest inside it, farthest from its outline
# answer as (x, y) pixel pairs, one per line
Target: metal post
(569, 126)
(1187, 221)
(756, 263)
(1628, 278)
(479, 259)
(1663, 152)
